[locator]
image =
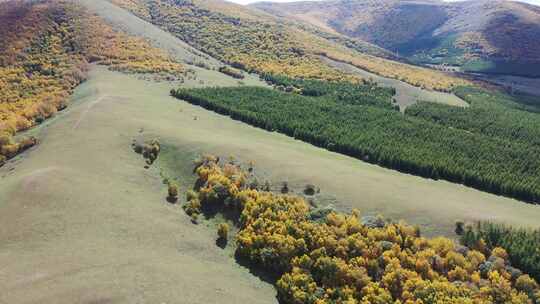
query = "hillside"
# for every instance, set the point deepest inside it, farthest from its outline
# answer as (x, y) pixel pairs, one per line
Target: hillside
(478, 36)
(177, 151)
(46, 51)
(259, 43)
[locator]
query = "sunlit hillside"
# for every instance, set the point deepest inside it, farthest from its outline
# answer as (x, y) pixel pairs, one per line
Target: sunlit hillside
(241, 38)
(329, 152)
(45, 54)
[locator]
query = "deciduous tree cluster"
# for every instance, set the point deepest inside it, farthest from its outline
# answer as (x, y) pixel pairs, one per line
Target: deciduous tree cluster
(343, 260)
(259, 43)
(45, 51)
(244, 43)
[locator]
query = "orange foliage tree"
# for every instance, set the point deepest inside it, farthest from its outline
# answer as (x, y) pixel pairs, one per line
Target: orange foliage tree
(44, 55)
(342, 258)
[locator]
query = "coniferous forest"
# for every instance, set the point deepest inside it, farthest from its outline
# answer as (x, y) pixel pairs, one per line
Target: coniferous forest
(522, 245)
(498, 153)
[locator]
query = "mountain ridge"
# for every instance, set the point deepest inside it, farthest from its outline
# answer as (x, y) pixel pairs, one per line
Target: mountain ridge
(478, 36)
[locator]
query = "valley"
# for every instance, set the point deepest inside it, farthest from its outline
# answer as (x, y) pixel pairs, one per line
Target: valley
(493, 37)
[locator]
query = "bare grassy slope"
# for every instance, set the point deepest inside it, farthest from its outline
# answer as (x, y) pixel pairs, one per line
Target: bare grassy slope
(83, 222)
(127, 22)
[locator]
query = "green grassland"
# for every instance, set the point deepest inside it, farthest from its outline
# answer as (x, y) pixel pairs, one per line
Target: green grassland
(110, 235)
(82, 218)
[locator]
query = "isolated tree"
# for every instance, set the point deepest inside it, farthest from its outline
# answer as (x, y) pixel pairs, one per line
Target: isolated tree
(173, 192)
(460, 228)
(285, 188)
(223, 231)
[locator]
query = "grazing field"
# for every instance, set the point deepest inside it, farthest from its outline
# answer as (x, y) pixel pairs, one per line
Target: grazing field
(83, 218)
(95, 209)
(44, 55)
(83, 221)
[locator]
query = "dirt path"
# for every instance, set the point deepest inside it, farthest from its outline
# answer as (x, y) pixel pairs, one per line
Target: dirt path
(88, 108)
(406, 94)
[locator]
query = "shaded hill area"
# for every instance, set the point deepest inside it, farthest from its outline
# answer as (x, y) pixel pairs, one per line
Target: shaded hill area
(478, 36)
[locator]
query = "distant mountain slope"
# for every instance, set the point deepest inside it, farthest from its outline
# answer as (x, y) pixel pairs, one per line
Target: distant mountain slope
(486, 36)
(256, 41)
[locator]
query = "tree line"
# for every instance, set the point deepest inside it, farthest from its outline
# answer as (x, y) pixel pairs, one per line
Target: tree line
(333, 257)
(522, 245)
(380, 135)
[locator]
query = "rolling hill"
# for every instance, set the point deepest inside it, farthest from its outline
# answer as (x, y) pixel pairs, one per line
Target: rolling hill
(45, 54)
(478, 36)
(258, 42)
(197, 151)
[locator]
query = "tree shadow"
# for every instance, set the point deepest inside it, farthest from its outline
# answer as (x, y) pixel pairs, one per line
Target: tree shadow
(268, 276)
(172, 199)
(221, 243)
(211, 210)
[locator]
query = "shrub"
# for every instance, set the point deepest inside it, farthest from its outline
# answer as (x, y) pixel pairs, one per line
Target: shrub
(231, 72)
(526, 284)
(267, 186)
(500, 253)
(223, 231)
(27, 143)
(310, 190)
(191, 195)
(194, 217)
(150, 151)
(285, 188)
(173, 190)
(10, 150)
(138, 148)
(193, 207)
(5, 140)
(460, 228)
